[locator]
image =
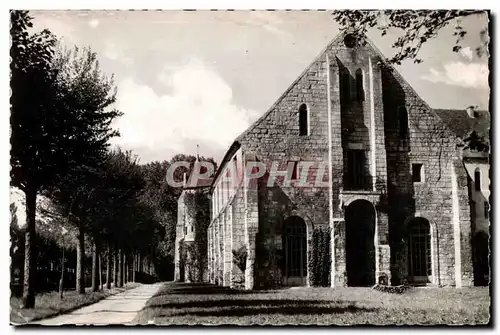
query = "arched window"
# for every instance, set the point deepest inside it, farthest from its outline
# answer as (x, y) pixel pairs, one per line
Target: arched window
(360, 93)
(403, 122)
(477, 179)
(303, 121)
(420, 250)
(294, 242)
(345, 86)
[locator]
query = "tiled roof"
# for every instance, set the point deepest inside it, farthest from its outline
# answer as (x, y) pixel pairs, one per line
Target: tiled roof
(462, 124)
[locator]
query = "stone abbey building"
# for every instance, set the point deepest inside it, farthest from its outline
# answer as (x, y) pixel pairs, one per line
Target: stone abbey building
(364, 183)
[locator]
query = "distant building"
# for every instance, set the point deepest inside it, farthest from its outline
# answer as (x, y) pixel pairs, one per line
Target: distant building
(187, 206)
(468, 124)
(399, 185)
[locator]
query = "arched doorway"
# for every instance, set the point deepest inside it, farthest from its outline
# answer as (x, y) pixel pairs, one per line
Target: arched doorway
(294, 252)
(360, 246)
(419, 249)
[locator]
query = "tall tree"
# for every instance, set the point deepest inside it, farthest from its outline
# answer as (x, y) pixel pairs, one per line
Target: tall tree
(59, 119)
(98, 199)
(32, 92)
(415, 28)
(162, 199)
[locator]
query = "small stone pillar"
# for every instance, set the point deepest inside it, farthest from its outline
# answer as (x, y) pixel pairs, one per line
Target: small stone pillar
(251, 229)
(338, 276)
(382, 249)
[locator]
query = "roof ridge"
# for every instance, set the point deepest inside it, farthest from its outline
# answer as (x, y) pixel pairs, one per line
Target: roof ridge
(290, 87)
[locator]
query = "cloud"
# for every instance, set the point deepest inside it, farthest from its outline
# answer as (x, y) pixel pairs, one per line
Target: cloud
(19, 199)
(57, 25)
(472, 75)
(198, 109)
(93, 23)
(270, 21)
(466, 53)
(267, 20)
(113, 52)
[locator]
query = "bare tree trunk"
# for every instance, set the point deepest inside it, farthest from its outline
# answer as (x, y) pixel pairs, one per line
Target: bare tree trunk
(120, 268)
(140, 263)
(80, 260)
(100, 272)
(61, 281)
(108, 268)
(125, 268)
(115, 267)
(30, 250)
(134, 267)
(95, 288)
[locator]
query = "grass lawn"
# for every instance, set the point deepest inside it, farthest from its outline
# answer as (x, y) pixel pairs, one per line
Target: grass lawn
(49, 304)
(204, 304)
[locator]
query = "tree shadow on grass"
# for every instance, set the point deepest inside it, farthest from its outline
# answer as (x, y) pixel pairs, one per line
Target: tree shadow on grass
(199, 289)
(280, 309)
(223, 306)
(226, 303)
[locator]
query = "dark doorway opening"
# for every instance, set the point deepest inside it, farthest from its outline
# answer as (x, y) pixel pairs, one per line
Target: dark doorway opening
(295, 252)
(360, 246)
(419, 248)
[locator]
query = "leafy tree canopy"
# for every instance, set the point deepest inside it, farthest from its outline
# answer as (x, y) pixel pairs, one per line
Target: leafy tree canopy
(415, 28)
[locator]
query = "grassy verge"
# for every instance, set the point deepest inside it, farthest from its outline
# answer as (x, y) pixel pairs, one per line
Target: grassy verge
(49, 304)
(203, 304)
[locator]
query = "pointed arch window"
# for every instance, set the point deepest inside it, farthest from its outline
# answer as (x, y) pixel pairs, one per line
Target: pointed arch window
(403, 122)
(345, 86)
(360, 93)
(303, 120)
(477, 179)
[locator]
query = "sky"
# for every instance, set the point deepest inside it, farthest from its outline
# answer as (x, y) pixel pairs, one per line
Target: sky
(188, 78)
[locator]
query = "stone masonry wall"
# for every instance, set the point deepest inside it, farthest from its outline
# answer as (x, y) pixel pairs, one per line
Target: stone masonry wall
(179, 237)
(276, 141)
(431, 144)
(371, 124)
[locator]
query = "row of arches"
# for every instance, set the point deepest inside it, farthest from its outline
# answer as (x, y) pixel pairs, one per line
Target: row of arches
(360, 217)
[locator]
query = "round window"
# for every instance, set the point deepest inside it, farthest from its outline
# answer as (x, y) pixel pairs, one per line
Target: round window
(350, 40)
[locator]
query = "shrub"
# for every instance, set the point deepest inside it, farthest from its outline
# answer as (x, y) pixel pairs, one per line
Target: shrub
(320, 259)
(240, 258)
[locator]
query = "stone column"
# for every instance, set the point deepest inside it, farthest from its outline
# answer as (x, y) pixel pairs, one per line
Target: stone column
(222, 250)
(336, 167)
(209, 253)
(177, 261)
(223, 247)
(337, 240)
(378, 160)
(382, 250)
(212, 246)
(251, 229)
(462, 232)
(228, 254)
(217, 251)
(188, 272)
(238, 239)
(178, 249)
